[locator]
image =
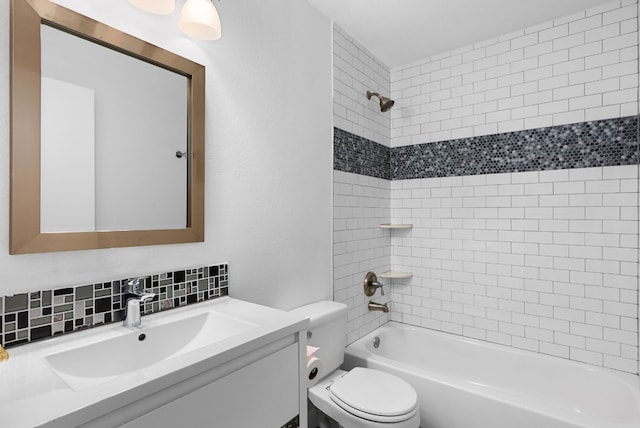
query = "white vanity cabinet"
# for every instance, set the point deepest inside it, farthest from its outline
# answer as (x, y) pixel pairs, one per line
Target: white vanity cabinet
(260, 388)
(243, 366)
(264, 393)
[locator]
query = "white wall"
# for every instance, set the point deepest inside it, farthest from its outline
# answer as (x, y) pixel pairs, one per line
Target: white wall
(268, 156)
(572, 69)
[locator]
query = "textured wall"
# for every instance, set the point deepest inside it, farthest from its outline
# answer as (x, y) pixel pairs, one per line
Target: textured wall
(607, 142)
(360, 184)
(361, 204)
(577, 68)
(545, 261)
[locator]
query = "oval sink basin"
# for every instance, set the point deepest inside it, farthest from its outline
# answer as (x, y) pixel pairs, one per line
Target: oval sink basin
(87, 365)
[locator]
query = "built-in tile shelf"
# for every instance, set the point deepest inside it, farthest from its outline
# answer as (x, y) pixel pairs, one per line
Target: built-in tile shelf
(395, 274)
(396, 226)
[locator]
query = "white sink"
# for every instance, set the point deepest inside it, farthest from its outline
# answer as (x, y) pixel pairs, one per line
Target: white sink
(133, 349)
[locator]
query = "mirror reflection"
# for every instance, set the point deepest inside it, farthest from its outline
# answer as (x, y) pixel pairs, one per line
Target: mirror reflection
(111, 125)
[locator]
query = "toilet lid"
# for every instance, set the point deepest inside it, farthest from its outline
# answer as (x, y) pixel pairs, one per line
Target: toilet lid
(374, 395)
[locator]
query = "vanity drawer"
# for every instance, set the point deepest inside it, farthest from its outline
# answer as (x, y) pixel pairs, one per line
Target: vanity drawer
(261, 394)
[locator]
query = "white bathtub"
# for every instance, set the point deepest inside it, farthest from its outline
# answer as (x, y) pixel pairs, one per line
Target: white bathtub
(466, 383)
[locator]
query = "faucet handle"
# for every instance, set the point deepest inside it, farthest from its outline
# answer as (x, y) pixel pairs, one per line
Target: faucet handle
(135, 286)
(371, 284)
(144, 297)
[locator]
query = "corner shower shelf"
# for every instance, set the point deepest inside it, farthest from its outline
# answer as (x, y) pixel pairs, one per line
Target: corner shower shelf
(395, 226)
(394, 274)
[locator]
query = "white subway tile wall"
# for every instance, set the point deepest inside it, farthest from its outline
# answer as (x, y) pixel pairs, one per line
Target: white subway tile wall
(573, 69)
(356, 70)
(361, 204)
(545, 261)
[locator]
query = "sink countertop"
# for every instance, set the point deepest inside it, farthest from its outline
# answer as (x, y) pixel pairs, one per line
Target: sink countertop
(32, 394)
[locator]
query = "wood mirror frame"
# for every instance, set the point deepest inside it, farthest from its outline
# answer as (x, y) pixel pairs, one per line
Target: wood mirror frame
(25, 234)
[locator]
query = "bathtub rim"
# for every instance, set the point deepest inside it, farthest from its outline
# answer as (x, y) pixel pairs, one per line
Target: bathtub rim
(358, 349)
(632, 379)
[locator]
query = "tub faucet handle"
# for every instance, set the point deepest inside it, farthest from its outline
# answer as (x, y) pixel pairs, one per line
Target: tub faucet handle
(371, 284)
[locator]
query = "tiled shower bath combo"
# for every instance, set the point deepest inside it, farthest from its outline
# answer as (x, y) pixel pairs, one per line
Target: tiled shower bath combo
(516, 161)
(27, 317)
(541, 260)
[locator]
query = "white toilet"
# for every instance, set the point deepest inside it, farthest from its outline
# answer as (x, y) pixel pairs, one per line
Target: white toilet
(361, 397)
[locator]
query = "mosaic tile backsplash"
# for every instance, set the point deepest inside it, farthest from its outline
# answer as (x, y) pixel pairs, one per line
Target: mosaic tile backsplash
(599, 143)
(40, 314)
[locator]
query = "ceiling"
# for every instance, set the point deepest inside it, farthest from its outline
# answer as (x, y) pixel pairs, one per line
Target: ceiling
(399, 32)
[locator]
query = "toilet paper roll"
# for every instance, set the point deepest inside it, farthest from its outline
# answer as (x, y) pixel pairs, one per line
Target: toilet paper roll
(314, 371)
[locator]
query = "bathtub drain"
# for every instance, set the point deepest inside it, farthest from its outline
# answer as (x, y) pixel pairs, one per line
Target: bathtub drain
(376, 342)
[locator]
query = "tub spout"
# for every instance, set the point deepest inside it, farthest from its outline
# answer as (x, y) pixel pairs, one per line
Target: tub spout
(373, 306)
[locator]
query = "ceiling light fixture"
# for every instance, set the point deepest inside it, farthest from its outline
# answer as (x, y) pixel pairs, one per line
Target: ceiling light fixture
(198, 18)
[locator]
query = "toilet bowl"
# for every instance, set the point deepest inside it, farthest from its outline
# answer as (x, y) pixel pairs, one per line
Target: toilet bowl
(361, 397)
(366, 398)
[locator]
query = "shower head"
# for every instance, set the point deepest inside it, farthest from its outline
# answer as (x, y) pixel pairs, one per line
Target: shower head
(385, 103)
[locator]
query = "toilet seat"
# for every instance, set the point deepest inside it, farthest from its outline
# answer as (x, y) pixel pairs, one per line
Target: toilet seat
(374, 395)
(349, 417)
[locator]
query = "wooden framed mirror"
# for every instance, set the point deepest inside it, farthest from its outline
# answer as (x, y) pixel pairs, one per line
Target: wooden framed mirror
(107, 149)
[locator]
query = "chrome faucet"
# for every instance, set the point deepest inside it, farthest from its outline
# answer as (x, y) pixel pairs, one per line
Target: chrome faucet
(132, 315)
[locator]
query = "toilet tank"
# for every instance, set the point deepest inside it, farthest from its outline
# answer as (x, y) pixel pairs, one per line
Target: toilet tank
(327, 331)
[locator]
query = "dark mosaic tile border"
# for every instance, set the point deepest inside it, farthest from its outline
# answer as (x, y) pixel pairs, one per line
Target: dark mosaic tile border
(609, 142)
(359, 155)
(40, 314)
